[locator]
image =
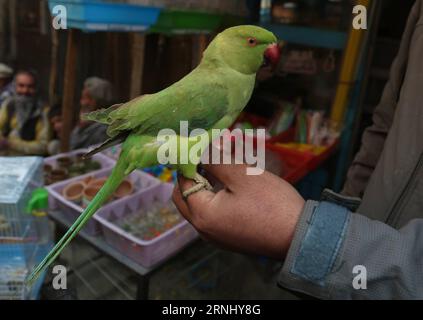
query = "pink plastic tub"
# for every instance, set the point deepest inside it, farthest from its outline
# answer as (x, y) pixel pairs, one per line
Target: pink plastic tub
(106, 162)
(146, 253)
(144, 185)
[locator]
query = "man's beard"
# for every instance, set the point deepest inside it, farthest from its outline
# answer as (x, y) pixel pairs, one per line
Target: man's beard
(24, 107)
(24, 102)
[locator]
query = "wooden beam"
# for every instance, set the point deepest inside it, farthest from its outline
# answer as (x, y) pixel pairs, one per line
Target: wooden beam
(138, 56)
(53, 70)
(69, 107)
(4, 17)
(199, 44)
(116, 51)
(13, 31)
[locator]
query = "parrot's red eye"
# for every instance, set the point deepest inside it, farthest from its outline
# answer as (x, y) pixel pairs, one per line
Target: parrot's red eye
(252, 42)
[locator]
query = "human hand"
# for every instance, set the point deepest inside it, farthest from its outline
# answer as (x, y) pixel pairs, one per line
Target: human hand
(252, 214)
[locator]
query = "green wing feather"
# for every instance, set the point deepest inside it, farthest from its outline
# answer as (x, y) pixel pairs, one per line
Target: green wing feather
(102, 115)
(195, 99)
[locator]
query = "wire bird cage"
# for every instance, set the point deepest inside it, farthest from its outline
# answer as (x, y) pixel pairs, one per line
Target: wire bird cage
(22, 236)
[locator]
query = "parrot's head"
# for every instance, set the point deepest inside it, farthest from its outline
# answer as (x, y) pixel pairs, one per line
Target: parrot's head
(245, 48)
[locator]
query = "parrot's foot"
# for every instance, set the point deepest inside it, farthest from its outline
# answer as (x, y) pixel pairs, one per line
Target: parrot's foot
(201, 183)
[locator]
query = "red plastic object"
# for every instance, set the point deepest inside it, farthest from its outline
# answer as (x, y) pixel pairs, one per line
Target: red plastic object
(295, 163)
(300, 163)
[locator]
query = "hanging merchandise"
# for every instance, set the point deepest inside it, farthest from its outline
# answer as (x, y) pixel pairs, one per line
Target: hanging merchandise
(314, 129)
(284, 117)
(314, 123)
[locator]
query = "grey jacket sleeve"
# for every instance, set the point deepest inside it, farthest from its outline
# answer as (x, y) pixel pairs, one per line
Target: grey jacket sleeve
(374, 137)
(336, 254)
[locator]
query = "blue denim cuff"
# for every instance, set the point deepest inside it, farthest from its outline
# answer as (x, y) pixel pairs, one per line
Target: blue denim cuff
(321, 243)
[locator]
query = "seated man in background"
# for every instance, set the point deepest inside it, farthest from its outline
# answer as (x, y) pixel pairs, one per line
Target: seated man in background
(97, 93)
(24, 124)
(7, 88)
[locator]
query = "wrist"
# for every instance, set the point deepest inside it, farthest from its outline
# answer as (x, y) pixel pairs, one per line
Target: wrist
(291, 222)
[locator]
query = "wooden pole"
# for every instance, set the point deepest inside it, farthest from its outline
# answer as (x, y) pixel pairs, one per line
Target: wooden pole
(116, 50)
(53, 70)
(68, 107)
(4, 42)
(44, 20)
(198, 47)
(203, 44)
(13, 11)
(138, 52)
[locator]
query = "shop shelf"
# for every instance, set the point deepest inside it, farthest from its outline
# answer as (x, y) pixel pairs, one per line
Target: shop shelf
(96, 15)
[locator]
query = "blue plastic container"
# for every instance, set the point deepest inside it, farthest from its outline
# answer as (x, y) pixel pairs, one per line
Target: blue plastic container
(97, 15)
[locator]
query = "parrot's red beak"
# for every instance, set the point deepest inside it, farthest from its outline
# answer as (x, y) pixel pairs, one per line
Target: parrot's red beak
(272, 55)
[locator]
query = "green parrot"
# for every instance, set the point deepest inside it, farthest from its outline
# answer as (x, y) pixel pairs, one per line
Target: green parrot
(210, 97)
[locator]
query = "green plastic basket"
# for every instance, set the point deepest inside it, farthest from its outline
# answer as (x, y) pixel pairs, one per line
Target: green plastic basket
(180, 22)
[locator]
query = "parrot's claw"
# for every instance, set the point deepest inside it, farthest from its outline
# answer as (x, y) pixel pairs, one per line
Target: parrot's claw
(201, 183)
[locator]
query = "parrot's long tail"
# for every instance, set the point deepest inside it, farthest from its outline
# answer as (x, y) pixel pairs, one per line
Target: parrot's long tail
(115, 179)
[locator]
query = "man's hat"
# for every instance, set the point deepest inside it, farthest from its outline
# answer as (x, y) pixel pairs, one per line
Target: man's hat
(5, 71)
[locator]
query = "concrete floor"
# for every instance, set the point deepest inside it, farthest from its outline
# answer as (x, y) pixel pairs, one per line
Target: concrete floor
(200, 272)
